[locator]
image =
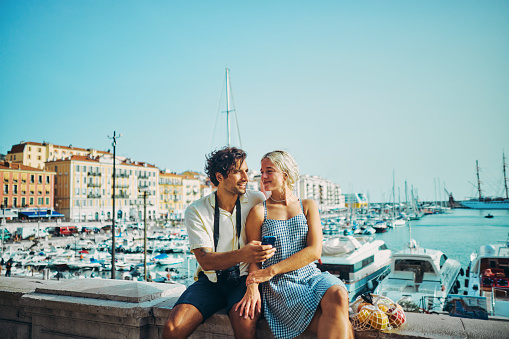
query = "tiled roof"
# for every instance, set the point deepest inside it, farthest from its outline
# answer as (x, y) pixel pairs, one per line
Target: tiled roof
(76, 158)
(6, 165)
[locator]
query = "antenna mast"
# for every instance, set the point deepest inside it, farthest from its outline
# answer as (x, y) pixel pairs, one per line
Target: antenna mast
(228, 106)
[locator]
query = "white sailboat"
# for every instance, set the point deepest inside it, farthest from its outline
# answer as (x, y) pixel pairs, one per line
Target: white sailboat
(483, 202)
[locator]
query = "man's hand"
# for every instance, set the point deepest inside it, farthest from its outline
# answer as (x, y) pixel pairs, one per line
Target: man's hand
(255, 252)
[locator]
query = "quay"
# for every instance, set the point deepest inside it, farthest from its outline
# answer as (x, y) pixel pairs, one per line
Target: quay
(102, 308)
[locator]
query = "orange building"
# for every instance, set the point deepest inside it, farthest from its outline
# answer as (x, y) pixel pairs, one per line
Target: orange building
(26, 187)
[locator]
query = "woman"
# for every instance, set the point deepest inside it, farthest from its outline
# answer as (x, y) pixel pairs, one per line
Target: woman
(296, 295)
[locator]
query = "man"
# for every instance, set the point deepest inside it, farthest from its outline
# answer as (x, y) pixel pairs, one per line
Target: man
(215, 225)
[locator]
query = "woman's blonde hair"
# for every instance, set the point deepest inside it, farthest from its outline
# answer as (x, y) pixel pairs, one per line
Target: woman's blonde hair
(286, 164)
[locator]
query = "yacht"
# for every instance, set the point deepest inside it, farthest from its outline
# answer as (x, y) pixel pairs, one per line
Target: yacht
(360, 262)
(488, 276)
(420, 278)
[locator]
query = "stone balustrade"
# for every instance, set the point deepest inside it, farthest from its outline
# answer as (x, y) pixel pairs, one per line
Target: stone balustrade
(103, 308)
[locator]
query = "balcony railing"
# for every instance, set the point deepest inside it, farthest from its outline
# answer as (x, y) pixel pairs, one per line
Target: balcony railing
(94, 196)
(91, 184)
(98, 174)
(122, 196)
(122, 175)
(142, 176)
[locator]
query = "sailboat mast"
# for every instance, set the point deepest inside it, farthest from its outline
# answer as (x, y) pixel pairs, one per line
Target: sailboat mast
(478, 179)
(505, 177)
(228, 106)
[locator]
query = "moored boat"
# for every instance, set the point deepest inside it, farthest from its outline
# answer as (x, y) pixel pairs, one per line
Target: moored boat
(360, 262)
(488, 276)
(421, 277)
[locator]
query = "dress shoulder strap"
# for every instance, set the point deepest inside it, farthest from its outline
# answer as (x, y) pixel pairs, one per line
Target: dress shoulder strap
(301, 207)
(264, 210)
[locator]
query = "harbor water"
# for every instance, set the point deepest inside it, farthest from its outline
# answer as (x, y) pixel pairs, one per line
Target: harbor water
(457, 233)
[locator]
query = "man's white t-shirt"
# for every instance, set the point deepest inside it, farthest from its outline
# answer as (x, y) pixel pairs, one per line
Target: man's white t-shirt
(199, 221)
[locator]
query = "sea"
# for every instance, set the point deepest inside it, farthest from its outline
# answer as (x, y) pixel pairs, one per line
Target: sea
(457, 233)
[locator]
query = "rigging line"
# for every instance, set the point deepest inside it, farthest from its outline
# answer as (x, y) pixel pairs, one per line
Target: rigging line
(236, 117)
(234, 110)
(218, 113)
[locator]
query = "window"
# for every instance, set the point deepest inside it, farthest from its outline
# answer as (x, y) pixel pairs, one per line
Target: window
(32, 178)
(40, 179)
(6, 189)
(40, 201)
(39, 192)
(15, 189)
(77, 168)
(23, 202)
(29, 157)
(39, 149)
(39, 157)
(47, 179)
(31, 201)
(47, 201)
(6, 202)
(77, 191)
(14, 202)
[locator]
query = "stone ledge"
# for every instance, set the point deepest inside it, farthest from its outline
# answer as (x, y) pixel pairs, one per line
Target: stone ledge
(25, 312)
(115, 290)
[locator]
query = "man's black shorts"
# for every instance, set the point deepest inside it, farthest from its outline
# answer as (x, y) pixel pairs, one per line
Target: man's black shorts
(209, 297)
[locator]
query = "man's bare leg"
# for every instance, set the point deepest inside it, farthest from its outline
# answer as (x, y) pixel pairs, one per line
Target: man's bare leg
(243, 327)
(181, 322)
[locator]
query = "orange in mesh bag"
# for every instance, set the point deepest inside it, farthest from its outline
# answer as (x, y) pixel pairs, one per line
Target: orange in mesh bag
(371, 311)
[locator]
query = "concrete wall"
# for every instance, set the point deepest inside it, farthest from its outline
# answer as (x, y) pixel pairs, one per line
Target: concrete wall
(102, 308)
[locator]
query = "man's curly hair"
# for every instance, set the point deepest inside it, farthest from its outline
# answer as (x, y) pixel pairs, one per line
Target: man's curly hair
(223, 161)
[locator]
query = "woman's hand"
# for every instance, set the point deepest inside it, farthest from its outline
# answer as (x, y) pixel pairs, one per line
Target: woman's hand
(250, 303)
(259, 276)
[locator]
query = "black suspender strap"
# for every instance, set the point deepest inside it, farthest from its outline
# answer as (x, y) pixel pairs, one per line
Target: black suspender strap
(216, 222)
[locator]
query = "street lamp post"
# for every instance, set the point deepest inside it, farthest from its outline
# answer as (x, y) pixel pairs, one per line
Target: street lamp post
(114, 144)
(144, 190)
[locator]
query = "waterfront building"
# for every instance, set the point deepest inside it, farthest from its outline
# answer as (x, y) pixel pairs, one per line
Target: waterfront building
(356, 200)
(84, 187)
(191, 189)
(26, 188)
(170, 196)
(326, 193)
(35, 154)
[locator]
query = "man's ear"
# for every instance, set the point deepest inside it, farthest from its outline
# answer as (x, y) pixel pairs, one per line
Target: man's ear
(219, 177)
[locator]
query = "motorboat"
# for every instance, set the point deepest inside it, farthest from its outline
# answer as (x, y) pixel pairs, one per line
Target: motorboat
(380, 226)
(360, 262)
(420, 278)
(165, 259)
(488, 275)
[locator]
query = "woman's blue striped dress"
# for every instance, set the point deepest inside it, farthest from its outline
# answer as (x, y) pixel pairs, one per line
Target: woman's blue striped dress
(290, 300)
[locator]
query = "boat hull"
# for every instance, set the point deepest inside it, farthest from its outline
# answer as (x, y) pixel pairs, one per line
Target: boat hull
(486, 205)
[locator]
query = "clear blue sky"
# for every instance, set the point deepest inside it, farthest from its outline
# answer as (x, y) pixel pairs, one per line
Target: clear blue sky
(353, 89)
